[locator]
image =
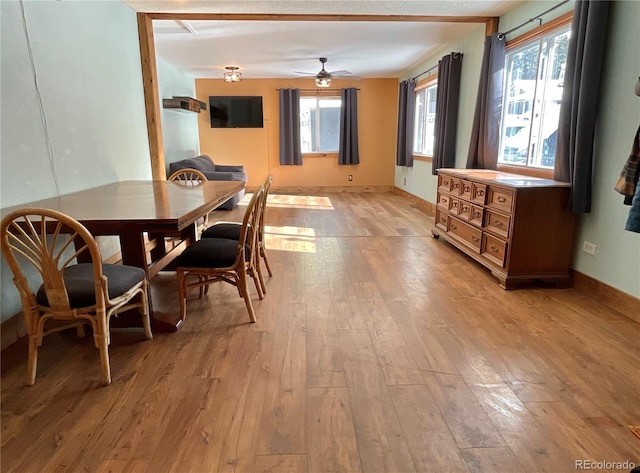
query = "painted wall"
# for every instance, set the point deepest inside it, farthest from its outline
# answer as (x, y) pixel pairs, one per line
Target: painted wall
(179, 127)
(617, 259)
(84, 123)
(257, 148)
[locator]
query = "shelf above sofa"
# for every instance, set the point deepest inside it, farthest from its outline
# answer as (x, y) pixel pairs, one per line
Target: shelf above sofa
(184, 103)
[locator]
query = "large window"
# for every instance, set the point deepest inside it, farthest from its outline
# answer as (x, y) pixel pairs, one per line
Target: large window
(534, 75)
(425, 120)
(319, 124)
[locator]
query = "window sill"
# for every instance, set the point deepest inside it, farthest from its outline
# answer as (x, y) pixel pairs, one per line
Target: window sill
(422, 157)
(320, 155)
(527, 171)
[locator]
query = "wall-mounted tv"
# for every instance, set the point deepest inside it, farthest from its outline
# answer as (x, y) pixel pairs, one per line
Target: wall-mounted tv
(238, 111)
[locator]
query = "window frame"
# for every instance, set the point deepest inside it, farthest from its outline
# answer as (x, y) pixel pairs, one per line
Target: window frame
(530, 36)
(423, 84)
(326, 93)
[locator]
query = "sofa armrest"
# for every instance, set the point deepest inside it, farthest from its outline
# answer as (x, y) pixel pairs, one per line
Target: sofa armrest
(229, 168)
(226, 176)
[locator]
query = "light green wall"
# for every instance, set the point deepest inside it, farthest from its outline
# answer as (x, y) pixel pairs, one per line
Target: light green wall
(179, 127)
(617, 259)
(89, 95)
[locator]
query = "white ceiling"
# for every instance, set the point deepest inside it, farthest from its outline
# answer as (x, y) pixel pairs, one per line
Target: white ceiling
(275, 49)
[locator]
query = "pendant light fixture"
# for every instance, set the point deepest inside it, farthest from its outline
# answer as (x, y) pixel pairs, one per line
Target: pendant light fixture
(232, 74)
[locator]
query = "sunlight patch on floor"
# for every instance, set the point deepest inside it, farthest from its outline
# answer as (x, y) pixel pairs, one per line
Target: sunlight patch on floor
(299, 202)
(288, 238)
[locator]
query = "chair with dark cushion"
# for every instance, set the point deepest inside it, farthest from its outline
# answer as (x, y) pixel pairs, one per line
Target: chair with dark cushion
(231, 231)
(211, 260)
(76, 289)
(214, 172)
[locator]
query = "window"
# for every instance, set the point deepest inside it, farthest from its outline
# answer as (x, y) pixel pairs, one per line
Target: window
(534, 75)
(425, 119)
(319, 124)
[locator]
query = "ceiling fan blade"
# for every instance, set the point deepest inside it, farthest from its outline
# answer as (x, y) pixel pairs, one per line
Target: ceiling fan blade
(310, 74)
(350, 77)
(340, 73)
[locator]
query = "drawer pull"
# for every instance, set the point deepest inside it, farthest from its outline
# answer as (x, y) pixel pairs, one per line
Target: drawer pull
(456, 185)
(454, 204)
(453, 226)
(475, 238)
(477, 214)
(480, 193)
(467, 189)
(494, 249)
(501, 199)
(498, 224)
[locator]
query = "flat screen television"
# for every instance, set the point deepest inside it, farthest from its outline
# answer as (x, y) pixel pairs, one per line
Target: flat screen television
(236, 111)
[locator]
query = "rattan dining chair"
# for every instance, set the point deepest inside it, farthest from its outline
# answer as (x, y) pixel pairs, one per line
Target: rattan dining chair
(192, 178)
(231, 231)
(75, 286)
(211, 260)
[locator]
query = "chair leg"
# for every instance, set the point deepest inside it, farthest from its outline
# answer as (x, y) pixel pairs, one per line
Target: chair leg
(263, 253)
(244, 292)
(260, 277)
(102, 341)
(32, 364)
(144, 312)
(182, 294)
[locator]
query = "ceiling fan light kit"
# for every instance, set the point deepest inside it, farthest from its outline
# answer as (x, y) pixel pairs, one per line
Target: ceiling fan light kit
(323, 78)
(232, 74)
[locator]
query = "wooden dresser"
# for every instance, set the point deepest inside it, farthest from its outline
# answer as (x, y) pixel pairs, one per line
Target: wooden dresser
(516, 226)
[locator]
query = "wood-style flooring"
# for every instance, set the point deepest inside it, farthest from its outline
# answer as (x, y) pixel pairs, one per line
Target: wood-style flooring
(377, 349)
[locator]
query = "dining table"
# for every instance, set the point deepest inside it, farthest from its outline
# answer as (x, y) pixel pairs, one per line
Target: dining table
(145, 215)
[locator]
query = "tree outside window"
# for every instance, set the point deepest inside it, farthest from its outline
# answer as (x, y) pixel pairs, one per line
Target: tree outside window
(533, 93)
(319, 124)
(425, 120)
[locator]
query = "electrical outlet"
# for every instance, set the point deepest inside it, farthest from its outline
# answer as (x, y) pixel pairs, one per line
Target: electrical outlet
(405, 181)
(589, 248)
(350, 177)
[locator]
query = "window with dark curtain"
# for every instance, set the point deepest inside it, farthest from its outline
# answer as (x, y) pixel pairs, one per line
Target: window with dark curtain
(290, 152)
(576, 130)
(444, 152)
(485, 133)
(348, 152)
(406, 106)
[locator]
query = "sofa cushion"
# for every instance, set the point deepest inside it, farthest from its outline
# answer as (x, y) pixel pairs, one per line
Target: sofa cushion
(202, 163)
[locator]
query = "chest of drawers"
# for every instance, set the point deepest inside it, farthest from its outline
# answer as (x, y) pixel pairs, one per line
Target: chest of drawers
(516, 226)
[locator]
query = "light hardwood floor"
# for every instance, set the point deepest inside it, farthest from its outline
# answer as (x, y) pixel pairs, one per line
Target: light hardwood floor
(377, 349)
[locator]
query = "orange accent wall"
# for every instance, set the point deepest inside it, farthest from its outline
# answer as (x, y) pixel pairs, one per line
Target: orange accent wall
(258, 148)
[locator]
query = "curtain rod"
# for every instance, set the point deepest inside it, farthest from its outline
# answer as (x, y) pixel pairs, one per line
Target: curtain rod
(322, 89)
(434, 67)
(531, 20)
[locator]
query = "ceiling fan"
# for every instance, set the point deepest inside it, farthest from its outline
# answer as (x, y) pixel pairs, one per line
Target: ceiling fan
(323, 78)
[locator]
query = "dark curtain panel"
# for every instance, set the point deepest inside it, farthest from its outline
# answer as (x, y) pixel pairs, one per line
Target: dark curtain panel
(406, 107)
(446, 126)
(290, 152)
(485, 134)
(348, 149)
(576, 129)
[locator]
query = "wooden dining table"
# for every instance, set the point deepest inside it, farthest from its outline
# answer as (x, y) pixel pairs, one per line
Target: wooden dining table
(143, 214)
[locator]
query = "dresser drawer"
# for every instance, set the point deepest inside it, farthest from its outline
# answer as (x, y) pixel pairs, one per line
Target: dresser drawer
(477, 215)
(444, 201)
(500, 199)
(444, 182)
(464, 210)
(456, 186)
(454, 205)
(442, 220)
(465, 189)
(478, 193)
(494, 249)
(497, 223)
(468, 234)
